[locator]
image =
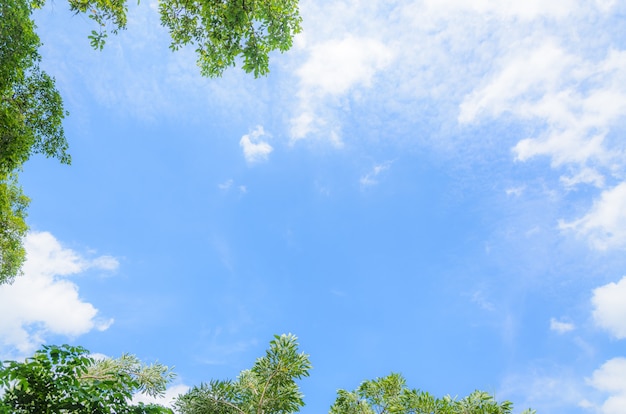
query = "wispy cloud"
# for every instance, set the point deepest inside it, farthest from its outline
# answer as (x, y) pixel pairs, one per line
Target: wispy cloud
(255, 149)
(43, 301)
(225, 185)
(546, 389)
(605, 224)
(561, 327)
(540, 83)
(371, 177)
(515, 191)
(228, 185)
(220, 344)
(478, 297)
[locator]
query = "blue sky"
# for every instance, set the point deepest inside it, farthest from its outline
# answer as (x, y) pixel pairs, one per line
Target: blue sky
(436, 188)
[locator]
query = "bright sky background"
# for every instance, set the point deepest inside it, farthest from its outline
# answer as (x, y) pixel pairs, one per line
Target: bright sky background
(432, 187)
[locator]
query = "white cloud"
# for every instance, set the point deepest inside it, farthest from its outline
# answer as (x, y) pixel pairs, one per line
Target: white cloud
(541, 81)
(561, 389)
(529, 9)
(302, 125)
(332, 69)
(605, 224)
(583, 176)
(335, 66)
(515, 191)
(609, 302)
(167, 400)
(255, 149)
(43, 301)
(560, 326)
(371, 178)
(393, 55)
(610, 378)
(532, 69)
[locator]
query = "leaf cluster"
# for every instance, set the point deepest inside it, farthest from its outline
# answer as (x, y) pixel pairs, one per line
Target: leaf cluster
(106, 13)
(65, 379)
(270, 387)
(223, 30)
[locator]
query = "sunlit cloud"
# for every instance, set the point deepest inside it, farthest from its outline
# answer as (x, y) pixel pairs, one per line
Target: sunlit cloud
(526, 10)
(540, 83)
(609, 308)
(610, 379)
(335, 66)
(605, 224)
(255, 149)
(43, 301)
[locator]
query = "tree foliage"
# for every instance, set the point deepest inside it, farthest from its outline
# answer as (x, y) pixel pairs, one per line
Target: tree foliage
(268, 388)
(221, 30)
(390, 395)
(31, 115)
(225, 30)
(65, 379)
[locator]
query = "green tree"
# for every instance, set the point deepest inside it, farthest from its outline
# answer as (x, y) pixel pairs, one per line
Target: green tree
(268, 388)
(31, 114)
(31, 108)
(65, 379)
(390, 395)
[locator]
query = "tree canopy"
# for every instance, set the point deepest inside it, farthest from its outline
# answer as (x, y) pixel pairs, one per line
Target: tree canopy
(31, 108)
(66, 379)
(390, 395)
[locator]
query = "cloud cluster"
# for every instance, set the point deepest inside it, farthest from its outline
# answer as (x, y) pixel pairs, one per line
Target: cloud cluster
(577, 101)
(610, 378)
(255, 148)
(332, 69)
(43, 301)
(609, 303)
(605, 224)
